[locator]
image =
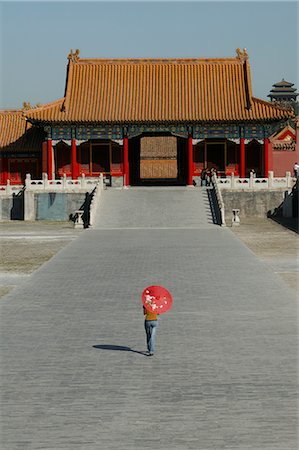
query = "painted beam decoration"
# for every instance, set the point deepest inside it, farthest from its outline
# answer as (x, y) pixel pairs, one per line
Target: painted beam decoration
(62, 133)
(176, 129)
(254, 131)
(84, 133)
(207, 131)
(19, 155)
(216, 131)
(99, 132)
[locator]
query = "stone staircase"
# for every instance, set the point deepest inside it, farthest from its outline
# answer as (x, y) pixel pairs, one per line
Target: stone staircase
(154, 207)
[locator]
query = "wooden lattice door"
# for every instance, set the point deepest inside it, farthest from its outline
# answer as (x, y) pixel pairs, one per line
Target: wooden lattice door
(158, 157)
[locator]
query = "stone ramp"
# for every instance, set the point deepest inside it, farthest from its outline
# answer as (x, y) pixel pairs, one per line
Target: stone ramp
(154, 208)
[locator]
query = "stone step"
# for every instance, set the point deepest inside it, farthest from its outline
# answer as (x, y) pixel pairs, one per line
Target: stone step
(154, 208)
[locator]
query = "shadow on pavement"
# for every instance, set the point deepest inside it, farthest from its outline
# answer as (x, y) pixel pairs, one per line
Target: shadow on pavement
(290, 223)
(119, 348)
(291, 205)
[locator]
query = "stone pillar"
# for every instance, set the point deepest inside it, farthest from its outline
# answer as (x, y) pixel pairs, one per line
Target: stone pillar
(50, 159)
(242, 157)
(190, 161)
(266, 157)
(126, 162)
(74, 161)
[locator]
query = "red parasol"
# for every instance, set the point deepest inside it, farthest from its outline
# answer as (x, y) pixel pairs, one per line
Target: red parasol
(156, 299)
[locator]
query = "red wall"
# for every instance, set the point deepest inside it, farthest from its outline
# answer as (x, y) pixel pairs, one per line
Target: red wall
(283, 161)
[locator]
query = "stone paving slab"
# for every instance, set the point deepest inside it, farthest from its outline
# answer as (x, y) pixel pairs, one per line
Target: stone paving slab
(24, 246)
(273, 244)
(74, 374)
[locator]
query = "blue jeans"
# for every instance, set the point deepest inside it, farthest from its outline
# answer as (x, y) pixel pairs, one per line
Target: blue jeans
(150, 329)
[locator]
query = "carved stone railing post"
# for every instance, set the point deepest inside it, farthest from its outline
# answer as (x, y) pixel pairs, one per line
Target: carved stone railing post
(63, 179)
(8, 187)
(83, 181)
(45, 180)
(232, 178)
(270, 179)
(250, 180)
(289, 179)
(101, 181)
(28, 180)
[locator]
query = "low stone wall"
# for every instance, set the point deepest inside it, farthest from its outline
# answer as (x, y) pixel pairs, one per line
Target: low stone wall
(252, 203)
(12, 207)
(57, 206)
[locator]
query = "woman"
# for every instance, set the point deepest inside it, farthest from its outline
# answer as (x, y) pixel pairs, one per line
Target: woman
(150, 325)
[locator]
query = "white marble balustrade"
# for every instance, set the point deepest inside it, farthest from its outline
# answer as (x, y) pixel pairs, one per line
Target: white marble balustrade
(254, 183)
(62, 184)
(8, 189)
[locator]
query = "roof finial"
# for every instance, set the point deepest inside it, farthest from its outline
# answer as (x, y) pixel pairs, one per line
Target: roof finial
(242, 55)
(27, 106)
(74, 56)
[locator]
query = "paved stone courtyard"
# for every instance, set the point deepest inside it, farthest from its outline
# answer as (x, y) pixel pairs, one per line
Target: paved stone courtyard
(74, 373)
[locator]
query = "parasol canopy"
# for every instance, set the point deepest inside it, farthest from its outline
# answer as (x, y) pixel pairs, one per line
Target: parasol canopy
(156, 299)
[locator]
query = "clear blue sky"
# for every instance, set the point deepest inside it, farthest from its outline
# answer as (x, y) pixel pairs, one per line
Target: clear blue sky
(36, 38)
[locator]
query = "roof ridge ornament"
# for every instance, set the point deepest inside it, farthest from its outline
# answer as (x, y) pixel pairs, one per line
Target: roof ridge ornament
(74, 56)
(242, 55)
(27, 106)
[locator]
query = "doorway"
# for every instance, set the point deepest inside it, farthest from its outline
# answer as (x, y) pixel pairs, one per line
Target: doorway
(158, 160)
(100, 159)
(215, 156)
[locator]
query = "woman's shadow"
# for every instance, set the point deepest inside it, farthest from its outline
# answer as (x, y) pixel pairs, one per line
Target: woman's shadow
(119, 348)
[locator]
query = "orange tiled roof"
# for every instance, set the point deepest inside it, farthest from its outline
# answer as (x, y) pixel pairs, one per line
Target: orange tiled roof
(16, 134)
(158, 90)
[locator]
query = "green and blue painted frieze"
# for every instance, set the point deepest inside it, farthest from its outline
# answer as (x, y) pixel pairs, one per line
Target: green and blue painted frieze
(216, 131)
(176, 129)
(200, 131)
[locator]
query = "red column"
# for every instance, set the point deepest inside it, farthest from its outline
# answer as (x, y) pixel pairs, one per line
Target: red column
(266, 157)
(190, 161)
(242, 157)
(44, 157)
(79, 159)
(74, 162)
(5, 174)
(126, 162)
(270, 156)
(50, 159)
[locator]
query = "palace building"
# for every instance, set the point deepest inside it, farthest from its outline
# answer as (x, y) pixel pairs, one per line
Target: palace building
(145, 121)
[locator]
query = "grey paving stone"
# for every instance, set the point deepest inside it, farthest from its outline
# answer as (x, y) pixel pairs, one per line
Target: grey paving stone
(73, 371)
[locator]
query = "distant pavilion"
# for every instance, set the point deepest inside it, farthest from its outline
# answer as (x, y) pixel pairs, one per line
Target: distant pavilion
(283, 91)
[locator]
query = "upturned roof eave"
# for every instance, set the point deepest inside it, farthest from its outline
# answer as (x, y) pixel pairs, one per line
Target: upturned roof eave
(192, 122)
